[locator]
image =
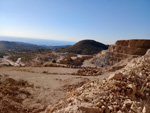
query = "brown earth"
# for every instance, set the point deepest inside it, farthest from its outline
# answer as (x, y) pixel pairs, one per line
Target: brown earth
(47, 88)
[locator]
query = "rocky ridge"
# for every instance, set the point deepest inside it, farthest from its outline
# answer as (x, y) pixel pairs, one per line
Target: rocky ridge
(122, 49)
(127, 91)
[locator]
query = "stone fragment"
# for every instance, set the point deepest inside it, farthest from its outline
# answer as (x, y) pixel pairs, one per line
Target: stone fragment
(119, 111)
(144, 110)
(116, 76)
(133, 87)
(48, 109)
(128, 102)
(148, 52)
(136, 108)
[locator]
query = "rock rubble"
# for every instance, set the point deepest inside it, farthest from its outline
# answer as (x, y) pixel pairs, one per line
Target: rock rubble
(127, 91)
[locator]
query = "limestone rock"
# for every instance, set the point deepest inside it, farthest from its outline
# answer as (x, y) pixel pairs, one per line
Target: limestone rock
(133, 87)
(116, 76)
(128, 102)
(121, 50)
(148, 52)
(136, 108)
(134, 43)
(144, 110)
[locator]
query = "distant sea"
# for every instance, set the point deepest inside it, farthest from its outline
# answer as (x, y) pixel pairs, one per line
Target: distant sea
(42, 42)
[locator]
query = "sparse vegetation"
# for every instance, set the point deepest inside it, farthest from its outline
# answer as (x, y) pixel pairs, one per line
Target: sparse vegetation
(2, 54)
(54, 61)
(6, 45)
(85, 47)
(26, 55)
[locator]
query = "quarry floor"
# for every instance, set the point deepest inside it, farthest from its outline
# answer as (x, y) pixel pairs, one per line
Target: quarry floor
(51, 84)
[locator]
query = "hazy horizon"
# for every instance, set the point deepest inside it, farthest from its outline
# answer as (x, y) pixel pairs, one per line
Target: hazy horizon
(41, 42)
(75, 20)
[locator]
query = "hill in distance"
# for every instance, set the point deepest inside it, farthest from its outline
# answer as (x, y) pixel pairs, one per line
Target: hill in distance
(85, 47)
(55, 47)
(5, 45)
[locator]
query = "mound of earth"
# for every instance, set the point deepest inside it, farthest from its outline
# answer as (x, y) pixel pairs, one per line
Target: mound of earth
(85, 47)
(127, 91)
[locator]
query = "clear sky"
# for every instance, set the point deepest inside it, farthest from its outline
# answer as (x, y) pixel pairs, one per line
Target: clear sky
(73, 20)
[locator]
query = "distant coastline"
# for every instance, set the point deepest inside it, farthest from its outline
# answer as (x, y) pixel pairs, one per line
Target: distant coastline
(40, 42)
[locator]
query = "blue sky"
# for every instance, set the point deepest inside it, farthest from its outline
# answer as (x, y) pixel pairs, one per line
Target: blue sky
(73, 20)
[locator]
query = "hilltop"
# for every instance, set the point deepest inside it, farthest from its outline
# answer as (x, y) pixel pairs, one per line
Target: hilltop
(86, 47)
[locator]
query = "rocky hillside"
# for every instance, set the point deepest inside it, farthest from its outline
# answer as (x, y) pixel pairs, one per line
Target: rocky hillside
(131, 47)
(126, 91)
(122, 49)
(86, 47)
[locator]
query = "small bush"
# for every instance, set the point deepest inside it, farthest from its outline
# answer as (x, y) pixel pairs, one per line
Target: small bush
(54, 61)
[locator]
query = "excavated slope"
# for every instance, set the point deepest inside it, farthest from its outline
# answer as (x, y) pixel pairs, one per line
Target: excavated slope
(127, 91)
(121, 50)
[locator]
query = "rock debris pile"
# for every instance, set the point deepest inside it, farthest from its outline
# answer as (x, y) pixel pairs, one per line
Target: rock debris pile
(127, 91)
(88, 71)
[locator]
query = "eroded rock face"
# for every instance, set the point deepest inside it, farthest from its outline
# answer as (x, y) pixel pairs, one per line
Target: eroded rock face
(128, 91)
(134, 43)
(122, 49)
(131, 47)
(128, 50)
